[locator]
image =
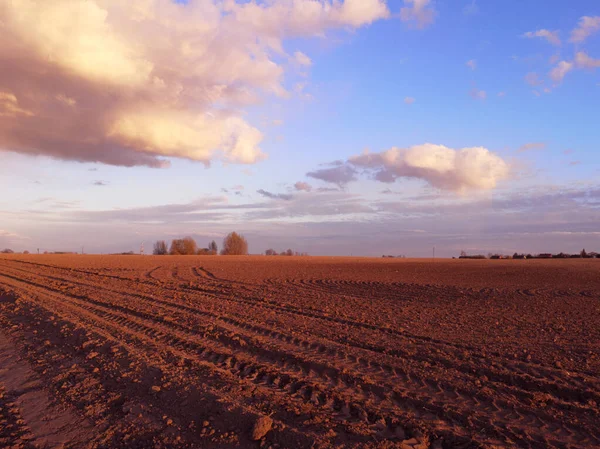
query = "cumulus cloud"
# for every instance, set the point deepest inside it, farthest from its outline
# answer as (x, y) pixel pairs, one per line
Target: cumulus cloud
(445, 168)
(409, 100)
(550, 36)
(340, 174)
(303, 186)
(9, 106)
(138, 82)
(472, 64)
(582, 60)
(420, 12)
(559, 72)
(275, 196)
(586, 27)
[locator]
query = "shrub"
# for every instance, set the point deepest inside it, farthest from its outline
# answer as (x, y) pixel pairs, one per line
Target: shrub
(270, 252)
(235, 245)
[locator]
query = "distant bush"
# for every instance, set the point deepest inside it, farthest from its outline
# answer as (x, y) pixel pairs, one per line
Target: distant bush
(7, 251)
(160, 248)
(235, 245)
(270, 252)
(207, 252)
(183, 247)
(25, 252)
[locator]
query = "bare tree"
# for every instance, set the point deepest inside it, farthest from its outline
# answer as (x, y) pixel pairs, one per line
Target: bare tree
(160, 248)
(289, 252)
(235, 245)
(212, 246)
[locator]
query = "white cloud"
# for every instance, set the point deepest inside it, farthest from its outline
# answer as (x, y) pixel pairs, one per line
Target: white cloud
(550, 36)
(409, 100)
(478, 94)
(582, 60)
(138, 81)
(460, 170)
(502, 94)
(420, 12)
(302, 59)
(472, 64)
(562, 68)
(586, 27)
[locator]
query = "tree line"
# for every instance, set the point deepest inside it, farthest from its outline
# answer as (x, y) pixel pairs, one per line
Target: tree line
(233, 245)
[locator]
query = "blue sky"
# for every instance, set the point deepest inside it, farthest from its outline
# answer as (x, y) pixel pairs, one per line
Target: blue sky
(476, 139)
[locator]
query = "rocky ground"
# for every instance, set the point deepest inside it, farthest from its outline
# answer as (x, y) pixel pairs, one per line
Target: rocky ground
(136, 352)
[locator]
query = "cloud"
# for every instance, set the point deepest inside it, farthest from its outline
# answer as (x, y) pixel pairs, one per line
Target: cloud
(420, 12)
(562, 68)
(340, 174)
(139, 82)
(550, 36)
(100, 183)
(582, 60)
(303, 186)
(409, 100)
(472, 64)
(277, 122)
(502, 94)
(574, 163)
(9, 106)
(275, 196)
(301, 59)
(445, 168)
(586, 27)
(533, 79)
(478, 94)
(531, 146)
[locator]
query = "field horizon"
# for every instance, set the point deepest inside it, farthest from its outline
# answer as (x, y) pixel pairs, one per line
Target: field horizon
(197, 351)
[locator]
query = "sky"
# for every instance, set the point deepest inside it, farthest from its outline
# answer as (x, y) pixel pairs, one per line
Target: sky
(355, 127)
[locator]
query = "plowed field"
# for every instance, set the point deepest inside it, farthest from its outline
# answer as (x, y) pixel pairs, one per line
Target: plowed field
(132, 352)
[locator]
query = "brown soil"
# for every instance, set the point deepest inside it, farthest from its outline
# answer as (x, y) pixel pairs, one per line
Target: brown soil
(135, 352)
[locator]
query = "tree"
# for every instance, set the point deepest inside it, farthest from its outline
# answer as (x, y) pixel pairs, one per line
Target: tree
(270, 252)
(583, 253)
(7, 251)
(463, 253)
(212, 246)
(25, 252)
(235, 245)
(183, 247)
(190, 247)
(160, 248)
(289, 252)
